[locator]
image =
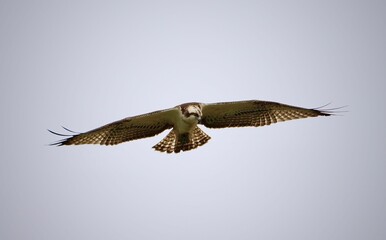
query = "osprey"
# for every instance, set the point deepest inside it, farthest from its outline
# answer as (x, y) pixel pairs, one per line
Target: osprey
(183, 120)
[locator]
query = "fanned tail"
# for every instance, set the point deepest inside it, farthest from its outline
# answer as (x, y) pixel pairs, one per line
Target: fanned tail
(167, 144)
(183, 142)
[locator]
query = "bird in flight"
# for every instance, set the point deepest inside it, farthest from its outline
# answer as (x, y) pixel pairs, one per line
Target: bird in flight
(183, 121)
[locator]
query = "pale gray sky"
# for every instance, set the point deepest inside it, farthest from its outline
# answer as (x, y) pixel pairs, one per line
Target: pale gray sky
(82, 64)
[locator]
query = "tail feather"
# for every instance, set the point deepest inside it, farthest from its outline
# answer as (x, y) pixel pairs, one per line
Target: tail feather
(183, 142)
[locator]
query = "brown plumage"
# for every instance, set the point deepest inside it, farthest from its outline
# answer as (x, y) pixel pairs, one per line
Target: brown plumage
(183, 119)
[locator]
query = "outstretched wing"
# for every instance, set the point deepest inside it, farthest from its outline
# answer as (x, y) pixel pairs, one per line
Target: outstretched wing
(253, 113)
(127, 129)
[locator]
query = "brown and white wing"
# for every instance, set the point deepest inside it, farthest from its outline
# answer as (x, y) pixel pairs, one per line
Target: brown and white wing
(127, 129)
(253, 113)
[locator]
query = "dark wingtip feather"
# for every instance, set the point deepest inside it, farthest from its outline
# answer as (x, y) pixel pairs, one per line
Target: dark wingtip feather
(64, 141)
(322, 111)
(59, 134)
(70, 130)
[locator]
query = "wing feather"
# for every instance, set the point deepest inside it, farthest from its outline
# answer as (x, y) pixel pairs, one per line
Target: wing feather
(127, 129)
(253, 113)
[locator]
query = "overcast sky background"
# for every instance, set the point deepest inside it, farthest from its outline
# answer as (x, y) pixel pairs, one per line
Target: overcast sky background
(82, 64)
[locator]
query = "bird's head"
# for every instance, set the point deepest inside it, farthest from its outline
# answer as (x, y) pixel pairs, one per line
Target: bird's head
(191, 112)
